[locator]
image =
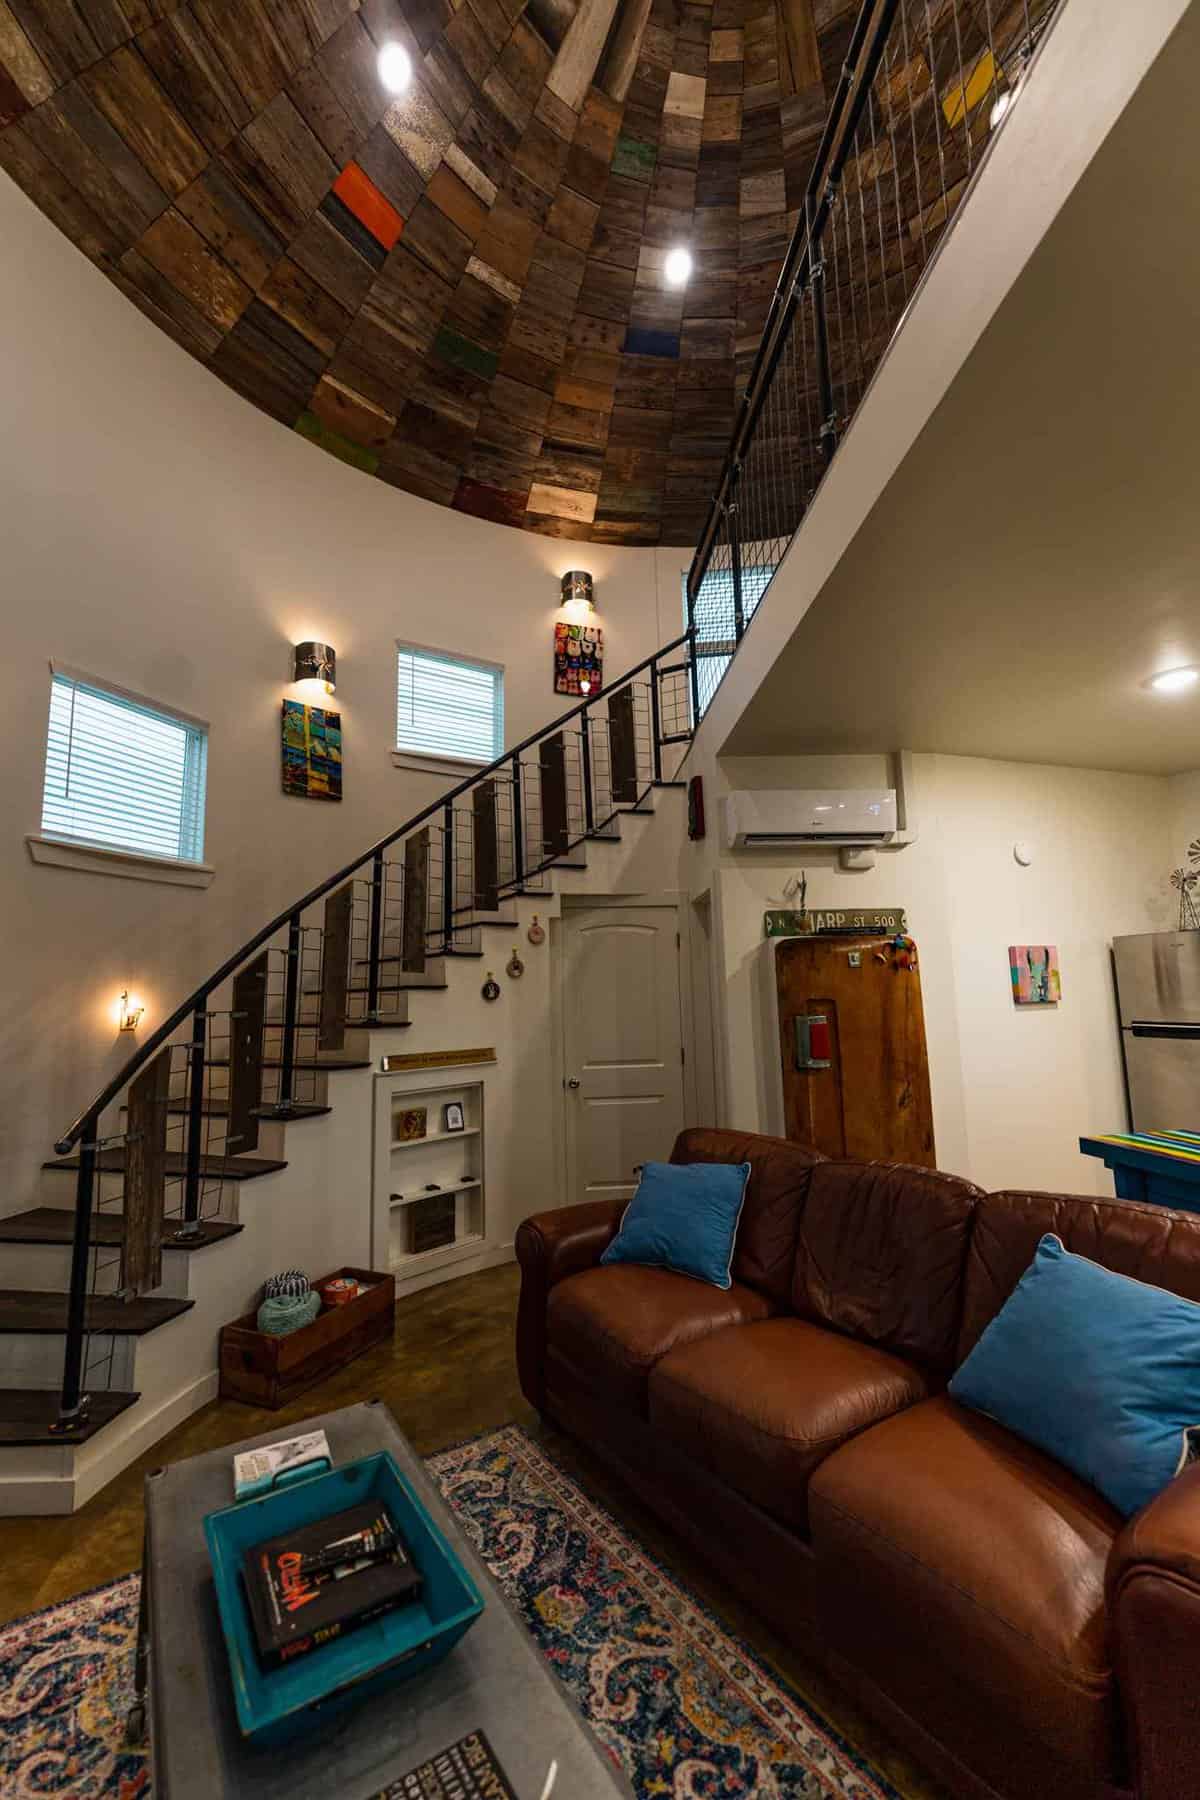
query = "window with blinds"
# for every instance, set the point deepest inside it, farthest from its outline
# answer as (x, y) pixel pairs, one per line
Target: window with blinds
(122, 775)
(448, 706)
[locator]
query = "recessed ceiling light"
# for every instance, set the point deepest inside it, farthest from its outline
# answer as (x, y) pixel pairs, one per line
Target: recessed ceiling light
(677, 267)
(395, 68)
(1174, 681)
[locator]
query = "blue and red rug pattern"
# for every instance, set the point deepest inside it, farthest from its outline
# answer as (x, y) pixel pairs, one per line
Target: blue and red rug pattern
(687, 1710)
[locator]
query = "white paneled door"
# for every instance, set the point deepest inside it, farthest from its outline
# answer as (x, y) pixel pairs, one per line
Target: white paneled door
(623, 1045)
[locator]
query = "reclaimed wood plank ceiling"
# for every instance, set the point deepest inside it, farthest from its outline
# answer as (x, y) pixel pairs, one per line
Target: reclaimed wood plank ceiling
(459, 291)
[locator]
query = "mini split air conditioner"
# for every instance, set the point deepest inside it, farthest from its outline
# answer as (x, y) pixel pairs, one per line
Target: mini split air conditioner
(781, 817)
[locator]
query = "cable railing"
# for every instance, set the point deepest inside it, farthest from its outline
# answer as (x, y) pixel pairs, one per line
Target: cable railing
(924, 85)
(250, 1043)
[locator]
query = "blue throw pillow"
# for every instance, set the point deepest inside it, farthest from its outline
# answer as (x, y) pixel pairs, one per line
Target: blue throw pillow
(684, 1217)
(1099, 1369)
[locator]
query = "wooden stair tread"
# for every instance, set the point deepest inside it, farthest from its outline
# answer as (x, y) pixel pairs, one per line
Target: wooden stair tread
(26, 1415)
(56, 1225)
(30, 1310)
(224, 1168)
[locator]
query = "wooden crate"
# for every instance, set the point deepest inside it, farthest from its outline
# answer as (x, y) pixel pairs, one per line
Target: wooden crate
(269, 1371)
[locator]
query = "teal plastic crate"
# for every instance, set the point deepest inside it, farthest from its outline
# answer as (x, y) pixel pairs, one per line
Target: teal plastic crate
(273, 1704)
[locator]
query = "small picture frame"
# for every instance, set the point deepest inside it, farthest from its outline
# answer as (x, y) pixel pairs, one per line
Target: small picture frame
(410, 1124)
(453, 1117)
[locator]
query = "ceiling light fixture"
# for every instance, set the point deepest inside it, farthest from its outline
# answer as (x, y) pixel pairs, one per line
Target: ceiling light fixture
(395, 68)
(1174, 681)
(677, 268)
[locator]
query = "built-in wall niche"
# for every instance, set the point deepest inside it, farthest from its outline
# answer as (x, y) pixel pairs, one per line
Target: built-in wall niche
(429, 1173)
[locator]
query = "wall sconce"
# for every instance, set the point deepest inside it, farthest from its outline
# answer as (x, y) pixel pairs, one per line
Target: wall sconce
(129, 1011)
(578, 640)
(315, 662)
(577, 589)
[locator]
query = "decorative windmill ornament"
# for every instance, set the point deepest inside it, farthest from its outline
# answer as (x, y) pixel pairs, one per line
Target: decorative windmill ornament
(1185, 880)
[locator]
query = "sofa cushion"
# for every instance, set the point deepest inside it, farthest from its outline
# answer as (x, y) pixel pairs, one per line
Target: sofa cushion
(613, 1324)
(765, 1248)
(684, 1216)
(1101, 1371)
(1148, 1242)
(880, 1254)
(763, 1405)
(963, 1570)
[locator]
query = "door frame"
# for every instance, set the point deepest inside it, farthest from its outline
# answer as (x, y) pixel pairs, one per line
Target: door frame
(572, 903)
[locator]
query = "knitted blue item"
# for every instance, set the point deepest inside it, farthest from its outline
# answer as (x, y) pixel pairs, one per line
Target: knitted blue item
(288, 1312)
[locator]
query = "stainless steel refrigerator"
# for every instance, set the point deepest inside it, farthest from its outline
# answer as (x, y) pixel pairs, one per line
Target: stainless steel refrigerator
(1158, 997)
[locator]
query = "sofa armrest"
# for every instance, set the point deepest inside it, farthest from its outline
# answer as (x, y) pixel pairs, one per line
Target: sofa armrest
(550, 1246)
(1154, 1611)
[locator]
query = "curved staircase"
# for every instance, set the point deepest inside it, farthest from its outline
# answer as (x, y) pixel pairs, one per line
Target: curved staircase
(237, 1139)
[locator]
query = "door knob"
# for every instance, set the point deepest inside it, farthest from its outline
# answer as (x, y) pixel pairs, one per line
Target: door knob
(572, 1081)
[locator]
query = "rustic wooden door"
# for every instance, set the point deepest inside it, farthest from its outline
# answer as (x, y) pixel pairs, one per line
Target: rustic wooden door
(852, 1044)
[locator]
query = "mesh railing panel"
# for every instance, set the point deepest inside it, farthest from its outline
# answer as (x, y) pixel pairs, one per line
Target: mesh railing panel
(935, 94)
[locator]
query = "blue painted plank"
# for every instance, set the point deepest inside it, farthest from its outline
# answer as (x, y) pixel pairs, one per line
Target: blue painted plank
(640, 342)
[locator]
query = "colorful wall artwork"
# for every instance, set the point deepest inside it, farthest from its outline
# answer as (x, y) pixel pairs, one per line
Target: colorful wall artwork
(578, 659)
(1034, 972)
(312, 751)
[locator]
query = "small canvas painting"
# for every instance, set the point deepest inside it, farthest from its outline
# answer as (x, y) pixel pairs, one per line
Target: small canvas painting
(312, 752)
(578, 659)
(1035, 977)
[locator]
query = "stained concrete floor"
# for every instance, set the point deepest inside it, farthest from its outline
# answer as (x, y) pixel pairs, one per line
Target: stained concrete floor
(448, 1373)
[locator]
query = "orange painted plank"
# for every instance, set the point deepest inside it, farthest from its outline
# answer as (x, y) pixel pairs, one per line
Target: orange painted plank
(355, 189)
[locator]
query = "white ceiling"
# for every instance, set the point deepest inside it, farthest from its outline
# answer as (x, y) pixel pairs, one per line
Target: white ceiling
(1037, 554)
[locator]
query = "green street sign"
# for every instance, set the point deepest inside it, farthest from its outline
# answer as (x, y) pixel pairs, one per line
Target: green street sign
(886, 921)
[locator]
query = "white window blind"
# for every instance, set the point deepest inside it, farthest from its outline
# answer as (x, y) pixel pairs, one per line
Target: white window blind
(448, 706)
(121, 774)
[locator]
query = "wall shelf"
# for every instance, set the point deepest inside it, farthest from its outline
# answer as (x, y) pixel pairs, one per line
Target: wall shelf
(417, 1229)
(445, 1187)
(434, 1137)
(408, 1263)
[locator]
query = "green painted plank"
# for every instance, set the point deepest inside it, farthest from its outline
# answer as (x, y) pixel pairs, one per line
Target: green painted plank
(317, 432)
(459, 350)
(634, 159)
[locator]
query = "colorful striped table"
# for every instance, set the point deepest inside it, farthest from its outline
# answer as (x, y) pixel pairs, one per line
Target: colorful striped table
(1160, 1166)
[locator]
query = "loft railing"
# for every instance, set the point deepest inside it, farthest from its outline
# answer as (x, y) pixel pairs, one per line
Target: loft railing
(301, 982)
(924, 85)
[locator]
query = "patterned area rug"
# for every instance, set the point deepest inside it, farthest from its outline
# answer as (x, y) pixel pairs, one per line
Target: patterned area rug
(687, 1710)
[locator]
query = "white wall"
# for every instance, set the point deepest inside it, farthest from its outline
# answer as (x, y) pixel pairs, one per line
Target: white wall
(157, 530)
(1185, 815)
(1013, 1088)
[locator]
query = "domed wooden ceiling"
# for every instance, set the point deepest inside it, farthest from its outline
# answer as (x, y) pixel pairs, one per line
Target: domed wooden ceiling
(459, 291)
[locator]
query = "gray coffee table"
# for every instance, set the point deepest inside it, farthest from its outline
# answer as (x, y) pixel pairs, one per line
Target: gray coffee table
(494, 1679)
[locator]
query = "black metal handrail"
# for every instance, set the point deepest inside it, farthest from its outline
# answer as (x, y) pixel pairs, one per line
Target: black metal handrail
(232, 963)
(948, 66)
(84, 1130)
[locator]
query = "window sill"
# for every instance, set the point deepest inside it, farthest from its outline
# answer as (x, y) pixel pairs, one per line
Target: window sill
(96, 859)
(460, 766)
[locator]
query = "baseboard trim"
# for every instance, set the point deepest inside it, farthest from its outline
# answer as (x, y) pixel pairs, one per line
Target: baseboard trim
(488, 1258)
(111, 1454)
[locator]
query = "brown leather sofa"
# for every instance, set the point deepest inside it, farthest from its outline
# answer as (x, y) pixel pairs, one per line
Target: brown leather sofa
(994, 1612)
